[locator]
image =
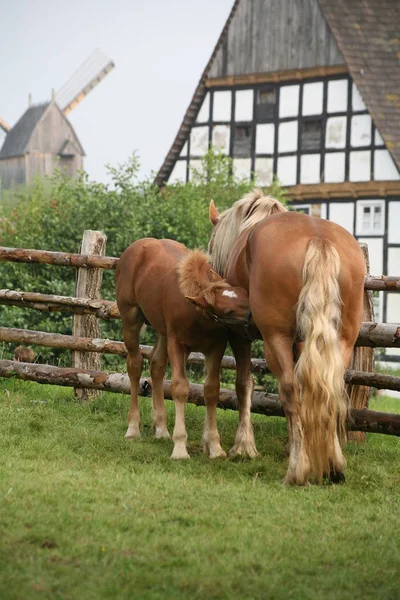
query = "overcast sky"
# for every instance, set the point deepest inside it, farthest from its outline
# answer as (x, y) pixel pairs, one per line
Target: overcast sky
(160, 48)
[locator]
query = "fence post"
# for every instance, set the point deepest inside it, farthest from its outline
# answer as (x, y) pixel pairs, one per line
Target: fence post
(88, 285)
(362, 359)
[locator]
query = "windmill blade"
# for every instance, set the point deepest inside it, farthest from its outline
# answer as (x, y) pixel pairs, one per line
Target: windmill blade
(89, 74)
(4, 126)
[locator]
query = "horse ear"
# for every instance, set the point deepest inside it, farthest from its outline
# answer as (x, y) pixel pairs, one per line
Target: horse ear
(214, 276)
(213, 213)
(199, 301)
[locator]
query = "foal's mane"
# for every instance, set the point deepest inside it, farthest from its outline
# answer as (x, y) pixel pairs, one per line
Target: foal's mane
(194, 272)
(243, 214)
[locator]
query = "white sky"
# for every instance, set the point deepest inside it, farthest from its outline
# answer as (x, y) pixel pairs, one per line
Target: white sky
(160, 48)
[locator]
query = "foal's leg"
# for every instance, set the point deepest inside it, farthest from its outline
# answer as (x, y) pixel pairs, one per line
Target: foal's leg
(158, 365)
(245, 444)
(180, 391)
(211, 439)
(132, 321)
(279, 355)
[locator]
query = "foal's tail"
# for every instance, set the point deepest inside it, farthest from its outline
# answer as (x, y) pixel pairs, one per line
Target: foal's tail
(319, 370)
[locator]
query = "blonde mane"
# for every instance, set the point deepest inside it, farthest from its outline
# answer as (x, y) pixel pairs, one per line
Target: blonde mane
(243, 214)
(196, 278)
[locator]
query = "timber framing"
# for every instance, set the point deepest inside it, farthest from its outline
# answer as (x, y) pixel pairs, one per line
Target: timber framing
(276, 77)
(345, 190)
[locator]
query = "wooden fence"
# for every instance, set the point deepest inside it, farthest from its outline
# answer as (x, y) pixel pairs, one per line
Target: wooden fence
(371, 335)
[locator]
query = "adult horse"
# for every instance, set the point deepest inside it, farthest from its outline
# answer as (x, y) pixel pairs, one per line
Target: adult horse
(305, 278)
(149, 278)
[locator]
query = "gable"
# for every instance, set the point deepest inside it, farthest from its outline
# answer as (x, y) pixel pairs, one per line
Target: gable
(275, 35)
(19, 136)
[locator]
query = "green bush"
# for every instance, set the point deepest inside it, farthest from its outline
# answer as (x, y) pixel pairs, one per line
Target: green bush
(54, 212)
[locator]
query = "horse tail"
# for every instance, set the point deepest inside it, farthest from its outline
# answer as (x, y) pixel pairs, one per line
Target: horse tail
(320, 370)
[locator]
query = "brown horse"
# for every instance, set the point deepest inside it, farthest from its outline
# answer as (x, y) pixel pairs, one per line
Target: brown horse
(305, 278)
(149, 278)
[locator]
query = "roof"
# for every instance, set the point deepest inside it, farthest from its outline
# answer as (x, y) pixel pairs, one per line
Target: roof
(367, 37)
(18, 137)
(368, 34)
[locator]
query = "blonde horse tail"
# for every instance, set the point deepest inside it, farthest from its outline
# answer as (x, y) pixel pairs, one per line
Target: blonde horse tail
(320, 370)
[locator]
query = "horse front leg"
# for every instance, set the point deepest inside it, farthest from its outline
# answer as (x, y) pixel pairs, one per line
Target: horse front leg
(158, 365)
(180, 391)
(245, 444)
(211, 438)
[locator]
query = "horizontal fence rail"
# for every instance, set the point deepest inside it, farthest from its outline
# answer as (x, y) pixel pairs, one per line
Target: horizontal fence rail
(258, 365)
(374, 283)
(262, 402)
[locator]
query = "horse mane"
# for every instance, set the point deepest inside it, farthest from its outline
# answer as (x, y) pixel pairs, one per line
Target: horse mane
(195, 278)
(243, 214)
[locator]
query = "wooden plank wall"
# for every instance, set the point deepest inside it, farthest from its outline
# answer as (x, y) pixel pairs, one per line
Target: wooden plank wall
(276, 35)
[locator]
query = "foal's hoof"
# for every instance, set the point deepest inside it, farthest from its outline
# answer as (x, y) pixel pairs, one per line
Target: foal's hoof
(132, 433)
(161, 434)
(180, 454)
(214, 452)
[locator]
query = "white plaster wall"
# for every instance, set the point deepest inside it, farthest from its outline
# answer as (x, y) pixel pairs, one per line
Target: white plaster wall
(378, 138)
(178, 172)
(394, 223)
(310, 165)
(244, 105)
(195, 170)
(342, 213)
(287, 140)
(384, 167)
(198, 141)
(264, 170)
(184, 149)
(221, 138)
(289, 101)
(360, 130)
(360, 165)
(241, 167)
(336, 132)
(375, 249)
(334, 167)
(287, 166)
(222, 106)
(357, 102)
(393, 261)
(393, 311)
(337, 95)
(313, 98)
(204, 112)
(265, 138)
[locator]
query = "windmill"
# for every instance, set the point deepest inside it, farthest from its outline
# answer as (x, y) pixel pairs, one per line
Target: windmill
(43, 137)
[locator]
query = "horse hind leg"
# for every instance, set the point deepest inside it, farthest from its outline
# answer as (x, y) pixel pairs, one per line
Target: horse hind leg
(132, 321)
(158, 365)
(211, 438)
(279, 355)
(180, 392)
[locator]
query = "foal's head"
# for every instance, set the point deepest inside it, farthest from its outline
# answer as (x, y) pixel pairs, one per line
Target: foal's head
(204, 288)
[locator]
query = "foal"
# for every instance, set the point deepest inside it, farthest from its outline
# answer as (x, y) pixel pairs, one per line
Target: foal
(149, 278)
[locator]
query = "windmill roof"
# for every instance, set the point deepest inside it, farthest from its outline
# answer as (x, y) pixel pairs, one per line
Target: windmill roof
(367, 34)
(18, 137)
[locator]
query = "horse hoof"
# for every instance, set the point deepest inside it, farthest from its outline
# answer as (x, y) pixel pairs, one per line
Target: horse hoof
(132, 434)
(243, 451)
(161, 434)
(180, 454)
(336, 477)
(216, 453)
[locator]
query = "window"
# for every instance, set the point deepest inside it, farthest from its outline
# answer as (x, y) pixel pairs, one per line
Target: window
(303, 208)
(265, 105)
(370, 217)
(242, 141)
(311, 135)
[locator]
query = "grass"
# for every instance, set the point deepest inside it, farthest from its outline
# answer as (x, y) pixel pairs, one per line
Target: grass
(86, 515)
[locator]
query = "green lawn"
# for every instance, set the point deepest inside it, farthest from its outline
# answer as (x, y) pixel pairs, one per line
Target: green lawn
(86, 515)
